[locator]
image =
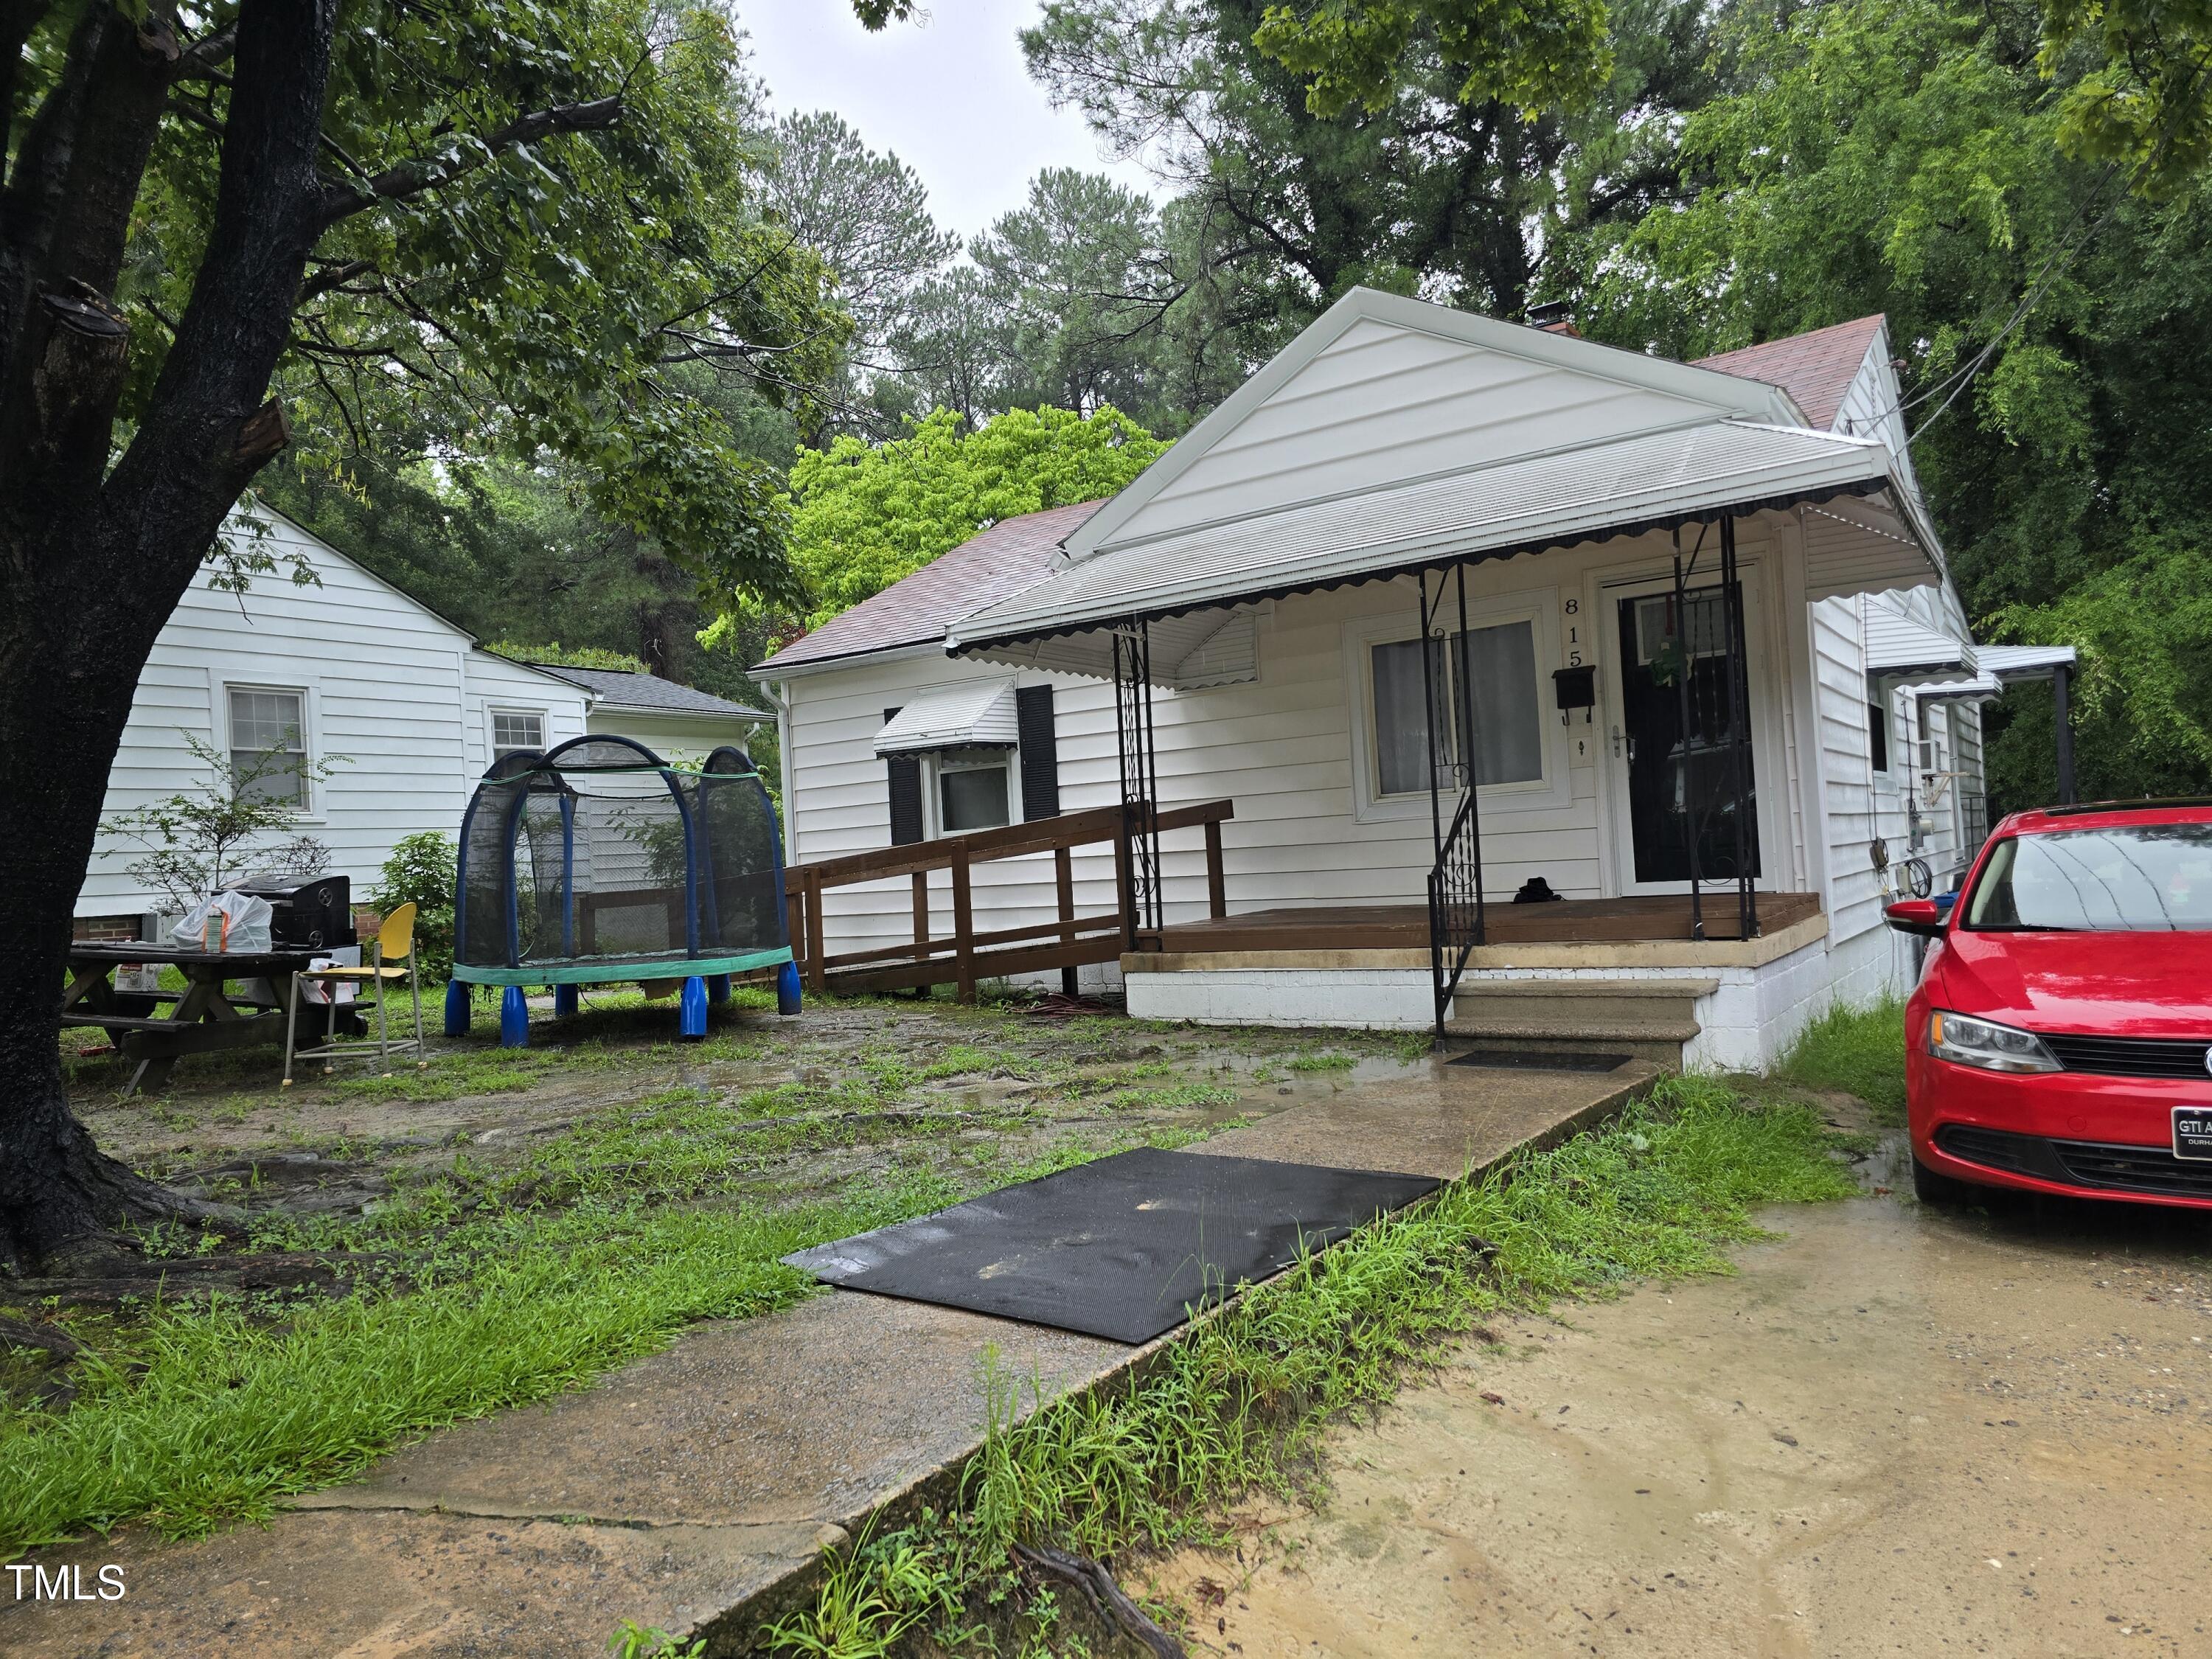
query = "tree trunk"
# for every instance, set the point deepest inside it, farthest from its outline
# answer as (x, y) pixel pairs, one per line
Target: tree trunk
(58, 1193)
(93, 560)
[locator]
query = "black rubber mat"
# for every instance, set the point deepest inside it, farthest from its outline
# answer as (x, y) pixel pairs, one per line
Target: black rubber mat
(1120, 1248)
(1523, 1059)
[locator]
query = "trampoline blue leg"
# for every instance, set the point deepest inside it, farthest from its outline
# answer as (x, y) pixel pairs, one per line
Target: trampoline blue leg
(692, 1009)
(565, 1002)
(718, 987)
(787, 988)
(513, 1019)
(457, 1008)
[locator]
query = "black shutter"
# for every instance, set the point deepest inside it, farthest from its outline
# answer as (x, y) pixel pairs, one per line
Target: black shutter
(1040, 752)
(905, 774)
(1878, 730)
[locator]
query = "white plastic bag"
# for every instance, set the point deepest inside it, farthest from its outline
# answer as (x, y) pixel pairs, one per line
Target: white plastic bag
(229, 922)
(323, 993)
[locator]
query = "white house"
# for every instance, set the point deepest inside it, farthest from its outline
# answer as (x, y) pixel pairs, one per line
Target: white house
(350, 671)
(1418, 517)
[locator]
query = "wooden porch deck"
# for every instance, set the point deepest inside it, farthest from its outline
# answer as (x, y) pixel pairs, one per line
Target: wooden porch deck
(1307, 928)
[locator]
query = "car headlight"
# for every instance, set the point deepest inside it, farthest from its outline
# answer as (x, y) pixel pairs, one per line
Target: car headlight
(1983, 1042)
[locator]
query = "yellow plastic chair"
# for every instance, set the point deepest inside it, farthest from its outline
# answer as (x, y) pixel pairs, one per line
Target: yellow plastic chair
(394, 944)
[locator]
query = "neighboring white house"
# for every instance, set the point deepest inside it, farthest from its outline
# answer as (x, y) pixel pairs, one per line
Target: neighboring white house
(354, 671)
(1275, 566)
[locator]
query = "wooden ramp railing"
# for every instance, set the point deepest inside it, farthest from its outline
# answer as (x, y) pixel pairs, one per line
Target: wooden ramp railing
(963, 955)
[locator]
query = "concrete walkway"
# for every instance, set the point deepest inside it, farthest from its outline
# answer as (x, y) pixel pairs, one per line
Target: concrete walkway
(696, 1490)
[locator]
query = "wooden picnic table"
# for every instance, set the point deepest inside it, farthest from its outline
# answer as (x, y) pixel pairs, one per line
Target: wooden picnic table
(207, 1015)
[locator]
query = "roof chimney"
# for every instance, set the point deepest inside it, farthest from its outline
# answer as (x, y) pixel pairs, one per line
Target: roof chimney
(1554, 317)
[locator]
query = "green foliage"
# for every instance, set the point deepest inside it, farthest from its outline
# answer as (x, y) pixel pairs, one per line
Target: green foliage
(1242, 1400)
(1860, 1051)
(2145, 102)
(636, 1641)
(421, 872)
(218, 832)
(1906, 156)
(611, 298)
(568, 656)
(864, 515)
(1530, 55)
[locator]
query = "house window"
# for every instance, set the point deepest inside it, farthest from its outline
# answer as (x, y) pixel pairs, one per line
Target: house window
(1497, 663)
(1878, 734)
(269, 744)
(514, 729)
(972, 790)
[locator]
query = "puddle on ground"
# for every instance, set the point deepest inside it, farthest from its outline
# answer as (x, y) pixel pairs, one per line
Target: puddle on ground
(1898, 1430)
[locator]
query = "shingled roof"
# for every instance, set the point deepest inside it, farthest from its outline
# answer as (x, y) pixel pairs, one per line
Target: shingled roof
(1816, 369)
(620, 687)
(992, 565)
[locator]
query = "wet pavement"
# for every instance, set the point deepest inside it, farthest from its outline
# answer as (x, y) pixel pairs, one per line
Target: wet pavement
(696, 1490)
(1898, 1431)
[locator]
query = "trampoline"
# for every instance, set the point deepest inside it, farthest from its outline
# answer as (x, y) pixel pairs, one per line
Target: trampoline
(596, 862)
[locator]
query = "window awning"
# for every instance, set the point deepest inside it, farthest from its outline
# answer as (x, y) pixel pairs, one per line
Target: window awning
(980, 716)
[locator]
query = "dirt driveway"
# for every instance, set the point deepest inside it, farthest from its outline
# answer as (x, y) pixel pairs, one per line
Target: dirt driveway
(1897, 1431)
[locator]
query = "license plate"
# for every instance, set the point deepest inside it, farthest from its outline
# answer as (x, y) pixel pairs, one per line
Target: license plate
(2192, 1132)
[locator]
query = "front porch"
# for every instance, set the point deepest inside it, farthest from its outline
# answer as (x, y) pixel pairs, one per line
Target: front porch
(1624, 975)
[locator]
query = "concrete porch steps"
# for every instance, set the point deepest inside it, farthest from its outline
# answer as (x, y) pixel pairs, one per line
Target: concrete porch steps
(1651, 1019)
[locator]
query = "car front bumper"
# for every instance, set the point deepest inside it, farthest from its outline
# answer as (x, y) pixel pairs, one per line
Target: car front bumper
(2075, 1132)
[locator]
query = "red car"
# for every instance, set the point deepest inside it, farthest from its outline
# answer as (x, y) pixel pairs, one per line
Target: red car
(2060, 1039)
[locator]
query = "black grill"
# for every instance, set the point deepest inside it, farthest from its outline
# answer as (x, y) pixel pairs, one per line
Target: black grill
(1993, 1147)
(2129, 1056)
(2149, 1170)
(2134, 1169)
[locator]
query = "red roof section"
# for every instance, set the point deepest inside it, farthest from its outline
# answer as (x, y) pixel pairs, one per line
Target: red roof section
(992, 565)
(1815, 369)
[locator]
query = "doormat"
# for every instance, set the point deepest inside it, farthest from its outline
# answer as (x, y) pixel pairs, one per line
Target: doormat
(1120, 1247)
(1517, 1059)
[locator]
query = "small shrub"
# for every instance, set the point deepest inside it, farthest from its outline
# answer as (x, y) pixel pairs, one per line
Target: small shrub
(421, 871)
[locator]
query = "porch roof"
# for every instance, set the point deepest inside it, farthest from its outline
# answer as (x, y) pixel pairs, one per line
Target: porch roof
(1652, 481)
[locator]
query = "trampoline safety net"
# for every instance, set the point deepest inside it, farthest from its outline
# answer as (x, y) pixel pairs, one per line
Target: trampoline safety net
(597, 855)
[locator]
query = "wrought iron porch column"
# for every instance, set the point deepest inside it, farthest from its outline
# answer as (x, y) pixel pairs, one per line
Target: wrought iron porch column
(1738, 723)
(1137, 755)
(2062, 678)
(1686, 654)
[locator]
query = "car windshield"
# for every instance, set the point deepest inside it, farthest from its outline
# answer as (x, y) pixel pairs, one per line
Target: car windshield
(2155, 878)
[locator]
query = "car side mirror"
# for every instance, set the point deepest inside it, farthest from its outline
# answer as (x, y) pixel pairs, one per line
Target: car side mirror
(1921, 917)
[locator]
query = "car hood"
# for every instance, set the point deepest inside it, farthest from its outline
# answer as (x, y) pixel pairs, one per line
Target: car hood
(2120, 984)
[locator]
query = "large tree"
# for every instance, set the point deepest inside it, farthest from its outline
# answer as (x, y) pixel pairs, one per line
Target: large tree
(514, 217)
(1450, 178)
(2054, 312)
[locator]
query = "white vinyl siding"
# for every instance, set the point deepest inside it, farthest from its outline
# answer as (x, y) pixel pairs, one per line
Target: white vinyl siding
(394, 700)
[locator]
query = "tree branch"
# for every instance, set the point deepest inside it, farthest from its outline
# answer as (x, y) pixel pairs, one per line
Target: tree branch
(464, 156)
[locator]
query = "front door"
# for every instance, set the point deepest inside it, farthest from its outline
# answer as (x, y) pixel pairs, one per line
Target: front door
(1681, 768)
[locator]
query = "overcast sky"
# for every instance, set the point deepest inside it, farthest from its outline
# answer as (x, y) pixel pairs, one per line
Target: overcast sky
(948, 95)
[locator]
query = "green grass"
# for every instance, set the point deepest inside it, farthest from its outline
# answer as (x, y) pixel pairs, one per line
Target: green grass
(1328, 1061)
(1860, 1051)
(204, 1414)
(1240, 1401)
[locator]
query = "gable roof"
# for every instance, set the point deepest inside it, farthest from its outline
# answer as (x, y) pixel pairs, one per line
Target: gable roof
(991, 566)
(622, 688)
(1816, 368)
(1472, 368)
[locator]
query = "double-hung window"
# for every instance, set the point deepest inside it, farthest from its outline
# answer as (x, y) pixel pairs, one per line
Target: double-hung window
(269, 744)
(516, 729)
(1496, 664)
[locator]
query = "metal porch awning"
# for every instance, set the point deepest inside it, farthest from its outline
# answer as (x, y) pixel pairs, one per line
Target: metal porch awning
(1186, 584)
(958, 717)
